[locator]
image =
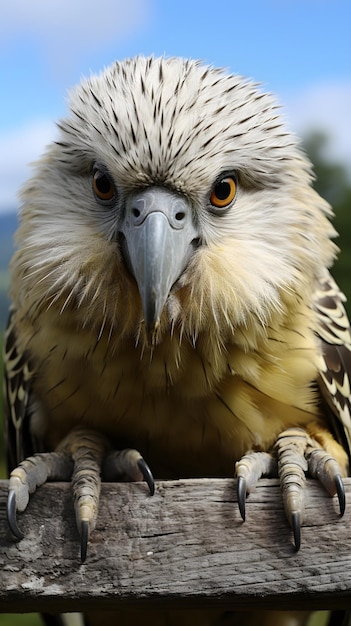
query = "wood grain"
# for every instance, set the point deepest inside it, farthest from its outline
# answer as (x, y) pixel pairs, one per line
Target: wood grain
(185, 547)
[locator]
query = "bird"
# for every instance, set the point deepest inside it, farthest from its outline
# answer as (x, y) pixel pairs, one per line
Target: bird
(172, 312)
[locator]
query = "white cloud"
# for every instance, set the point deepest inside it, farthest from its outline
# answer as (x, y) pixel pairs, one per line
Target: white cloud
(65, 31)
(87, 20)
(18, 149)
(324, 107)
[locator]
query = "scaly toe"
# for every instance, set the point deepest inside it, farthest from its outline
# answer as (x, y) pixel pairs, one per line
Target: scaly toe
(251, 467)
(128, 464)
(30, 474)
(322, 466)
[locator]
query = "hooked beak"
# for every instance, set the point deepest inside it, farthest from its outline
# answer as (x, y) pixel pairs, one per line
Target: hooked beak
(159, 238)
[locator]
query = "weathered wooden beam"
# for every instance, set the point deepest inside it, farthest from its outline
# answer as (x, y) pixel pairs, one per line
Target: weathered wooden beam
(184, 547)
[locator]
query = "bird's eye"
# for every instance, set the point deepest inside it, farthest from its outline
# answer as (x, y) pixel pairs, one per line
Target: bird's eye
(103, 186)
(223, 193)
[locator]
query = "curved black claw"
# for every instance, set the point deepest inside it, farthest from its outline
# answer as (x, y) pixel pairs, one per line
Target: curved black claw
(84, 536)
(296, 526)
(11, 515)
(147, 474)
(241, 495)
(340, 490)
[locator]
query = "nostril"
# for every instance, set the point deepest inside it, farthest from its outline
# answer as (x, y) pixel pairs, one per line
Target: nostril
(180, 216)
(136, 213)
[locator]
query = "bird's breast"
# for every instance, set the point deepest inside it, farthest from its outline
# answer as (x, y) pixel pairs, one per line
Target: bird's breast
(186, 415)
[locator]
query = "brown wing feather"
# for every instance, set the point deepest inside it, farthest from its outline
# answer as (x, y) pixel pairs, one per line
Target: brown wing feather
(17, 377)
(335, 368)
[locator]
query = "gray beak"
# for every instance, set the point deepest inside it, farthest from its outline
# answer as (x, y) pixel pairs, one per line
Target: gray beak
(159, 238)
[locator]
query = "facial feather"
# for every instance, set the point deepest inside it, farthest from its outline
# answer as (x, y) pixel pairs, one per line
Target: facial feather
(178, 124)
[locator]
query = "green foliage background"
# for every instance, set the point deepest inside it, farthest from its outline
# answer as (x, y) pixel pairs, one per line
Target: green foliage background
(331, 182)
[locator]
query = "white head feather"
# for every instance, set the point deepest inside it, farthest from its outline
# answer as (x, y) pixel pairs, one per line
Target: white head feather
(180, 125)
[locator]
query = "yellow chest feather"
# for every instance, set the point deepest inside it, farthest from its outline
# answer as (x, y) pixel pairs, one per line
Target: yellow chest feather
(189, 411)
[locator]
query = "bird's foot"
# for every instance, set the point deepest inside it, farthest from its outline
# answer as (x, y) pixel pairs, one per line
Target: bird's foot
(81, 457)
(294, 453)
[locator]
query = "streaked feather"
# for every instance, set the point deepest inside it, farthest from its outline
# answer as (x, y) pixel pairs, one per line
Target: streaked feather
(335, 370)
(17, 391)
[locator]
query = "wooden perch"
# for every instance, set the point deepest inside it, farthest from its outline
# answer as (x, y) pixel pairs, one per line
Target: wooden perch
(185, 547)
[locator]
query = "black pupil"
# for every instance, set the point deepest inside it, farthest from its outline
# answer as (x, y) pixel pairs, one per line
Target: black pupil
(222, 190)
(103, 184)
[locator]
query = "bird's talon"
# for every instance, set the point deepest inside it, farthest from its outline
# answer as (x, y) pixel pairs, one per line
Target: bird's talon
(12, 516)
(249, 469)
(296, 527)
(241, 495)
(147, 474)
(84, 537)
(340, 490)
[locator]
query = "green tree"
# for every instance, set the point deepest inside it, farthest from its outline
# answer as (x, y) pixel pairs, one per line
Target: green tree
(333, 183)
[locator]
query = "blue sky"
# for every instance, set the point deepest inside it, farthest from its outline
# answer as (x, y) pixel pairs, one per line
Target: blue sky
(299, 49)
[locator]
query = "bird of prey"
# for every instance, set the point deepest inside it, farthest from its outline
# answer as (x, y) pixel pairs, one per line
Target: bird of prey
(172, 309)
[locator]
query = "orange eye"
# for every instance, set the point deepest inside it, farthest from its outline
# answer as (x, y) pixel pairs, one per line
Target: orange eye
(103, 186)
(223, 193)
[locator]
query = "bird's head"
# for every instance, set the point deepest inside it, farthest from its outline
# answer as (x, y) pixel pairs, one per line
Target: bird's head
(173, 198)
